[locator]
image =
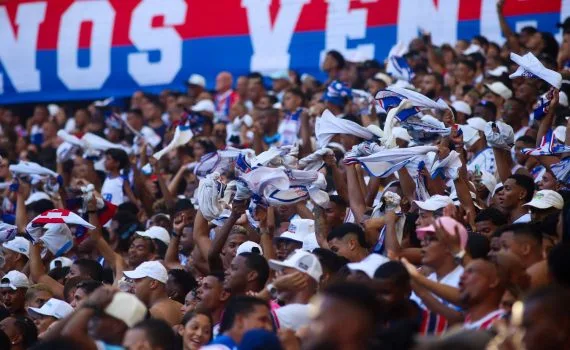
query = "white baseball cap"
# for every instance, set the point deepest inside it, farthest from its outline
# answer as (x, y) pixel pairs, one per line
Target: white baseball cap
(298, 230)
(54, 308)
(434, 203)
(383, 77)
(310, 242)
(497, 72)
(500, 89)
(204, 106)
(65, 262)
(462, 107)
(14, 280)
(280, 74)
(247, 247)
(156, 232)
(546, 199)
(152, 269)
(477, 123)
(369, 265)
(301, 261)
(127, 308)
(36, 196)
(197, 79)
(19, 245)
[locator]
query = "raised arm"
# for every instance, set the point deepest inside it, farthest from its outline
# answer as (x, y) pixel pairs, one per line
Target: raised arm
(321, 226)
(338, 175)
(305, 148)
(38, 271)
(356, 200)
(214, 260)
(171, 257)
(169, 200)
(266, 219)
(200, 234)
(512, 40)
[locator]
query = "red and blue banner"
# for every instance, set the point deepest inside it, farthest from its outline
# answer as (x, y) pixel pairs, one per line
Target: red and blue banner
(88, 49)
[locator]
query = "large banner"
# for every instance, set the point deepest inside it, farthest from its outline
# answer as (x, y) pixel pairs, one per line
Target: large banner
(86, 49)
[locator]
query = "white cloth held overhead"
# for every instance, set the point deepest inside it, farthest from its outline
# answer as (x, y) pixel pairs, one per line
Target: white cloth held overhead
(530, 67)
(314, 161)
(388, 161)
(30, 168)
(328, 125)
(419, 100)
(503, 137)
(209, 195)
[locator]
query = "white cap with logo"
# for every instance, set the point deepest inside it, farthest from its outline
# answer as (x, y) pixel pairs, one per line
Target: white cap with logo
(546, 199)
(298, 230)
(301, 261)
(156, 232)
(500, 89)
(19, 245)
(152, 269)
(14, 280)
(54, 308)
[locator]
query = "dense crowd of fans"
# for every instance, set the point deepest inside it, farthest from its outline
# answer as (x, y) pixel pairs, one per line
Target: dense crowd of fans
(417, 203)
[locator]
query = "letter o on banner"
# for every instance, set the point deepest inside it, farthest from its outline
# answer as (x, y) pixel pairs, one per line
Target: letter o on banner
(102, 15)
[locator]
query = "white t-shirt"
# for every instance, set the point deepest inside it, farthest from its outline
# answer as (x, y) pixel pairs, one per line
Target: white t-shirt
(522, 219)
(293, 316)
(451, 279)
(112, 190)
(485, 160)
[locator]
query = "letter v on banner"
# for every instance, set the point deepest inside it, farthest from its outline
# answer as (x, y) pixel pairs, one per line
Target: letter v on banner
(18, 47)
(271, 43)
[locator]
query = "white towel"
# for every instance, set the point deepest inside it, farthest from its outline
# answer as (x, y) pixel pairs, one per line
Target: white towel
(419, 100)
(503, 137)
(327, 126)
(388, 161)
(209, 196)
(30, 168)
(7, 232)
(314, 161)
(530, 67)
(61, 216)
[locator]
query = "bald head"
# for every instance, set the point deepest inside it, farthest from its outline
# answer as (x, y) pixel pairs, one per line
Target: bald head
(224, 82)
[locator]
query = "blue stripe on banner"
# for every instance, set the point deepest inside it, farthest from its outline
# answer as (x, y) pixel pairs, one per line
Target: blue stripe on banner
(432, 323)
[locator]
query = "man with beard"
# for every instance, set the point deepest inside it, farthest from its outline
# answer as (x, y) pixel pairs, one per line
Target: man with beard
(481, 288)
(432, 85)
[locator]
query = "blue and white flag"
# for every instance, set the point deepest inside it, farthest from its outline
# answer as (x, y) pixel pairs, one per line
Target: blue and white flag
(398, 68)
(388, 161)
(548, 146)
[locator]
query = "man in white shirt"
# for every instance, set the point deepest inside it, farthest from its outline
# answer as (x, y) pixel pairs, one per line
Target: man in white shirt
(518, 191)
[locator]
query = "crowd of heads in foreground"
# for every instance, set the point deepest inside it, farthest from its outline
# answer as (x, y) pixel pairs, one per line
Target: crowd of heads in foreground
(415, 203)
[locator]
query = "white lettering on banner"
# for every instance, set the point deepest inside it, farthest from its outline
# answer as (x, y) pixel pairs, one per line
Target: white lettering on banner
(564, 12)
(166, 40)
(440, 20)
(489, 24)
(342, 24)
(18, 51)
(271, 44)
(102, 15)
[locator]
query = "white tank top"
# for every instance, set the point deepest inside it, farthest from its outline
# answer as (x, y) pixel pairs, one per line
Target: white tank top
(112, 190)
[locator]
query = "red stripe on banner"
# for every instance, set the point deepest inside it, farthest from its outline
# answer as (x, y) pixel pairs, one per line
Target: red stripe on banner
(229, 18)
(469, 10)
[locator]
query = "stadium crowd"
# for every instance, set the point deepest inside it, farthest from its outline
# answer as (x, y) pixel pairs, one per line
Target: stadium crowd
(417, 203)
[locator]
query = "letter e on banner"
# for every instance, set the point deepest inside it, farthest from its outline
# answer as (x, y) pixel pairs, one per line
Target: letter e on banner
(102, 15)
(18, 51)
(166, 40)
(342, 24)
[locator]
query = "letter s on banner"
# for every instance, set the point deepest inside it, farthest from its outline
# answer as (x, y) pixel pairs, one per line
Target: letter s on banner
(18, 51)
(166, 40)
(102, 15)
